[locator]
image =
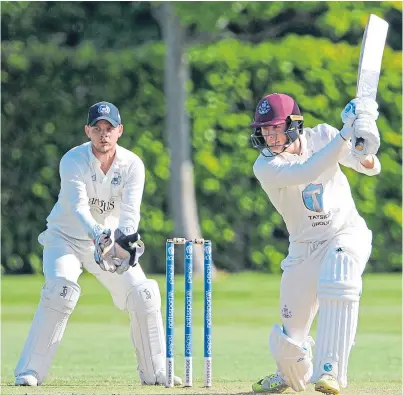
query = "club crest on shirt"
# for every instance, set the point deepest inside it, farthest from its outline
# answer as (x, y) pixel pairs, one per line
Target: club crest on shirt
(312, 196)
(116, 179)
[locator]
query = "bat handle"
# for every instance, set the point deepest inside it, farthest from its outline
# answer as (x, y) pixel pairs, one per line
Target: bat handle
(359, 144)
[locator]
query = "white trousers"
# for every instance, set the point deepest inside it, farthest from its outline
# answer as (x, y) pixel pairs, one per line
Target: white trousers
(63, 258)
(325, 275)
(301, 270)
(63, 263)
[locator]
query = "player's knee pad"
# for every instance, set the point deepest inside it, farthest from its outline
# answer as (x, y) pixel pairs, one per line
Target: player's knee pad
(147, 331)
(58, 299)
(340, 276)
(294, 361)
(339, 291)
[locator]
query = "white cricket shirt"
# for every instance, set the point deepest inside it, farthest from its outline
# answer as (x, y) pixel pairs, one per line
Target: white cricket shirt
(309, 190)
(88, 196)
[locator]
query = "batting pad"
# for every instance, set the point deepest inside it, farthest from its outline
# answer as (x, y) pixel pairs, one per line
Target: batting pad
(147, 331)
(294, 361)
(58, 299)
(339, 292)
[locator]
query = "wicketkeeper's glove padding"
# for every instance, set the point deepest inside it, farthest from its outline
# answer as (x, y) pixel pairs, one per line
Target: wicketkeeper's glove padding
(130, 243)
(125, 251)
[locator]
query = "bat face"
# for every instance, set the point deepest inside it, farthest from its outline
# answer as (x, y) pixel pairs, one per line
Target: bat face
(372, 47)
(369, 68)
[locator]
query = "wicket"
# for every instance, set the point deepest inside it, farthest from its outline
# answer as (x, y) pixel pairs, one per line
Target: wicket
(170, 309)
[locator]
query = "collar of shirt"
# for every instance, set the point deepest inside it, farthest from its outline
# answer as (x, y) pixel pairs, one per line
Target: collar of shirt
(119, 159)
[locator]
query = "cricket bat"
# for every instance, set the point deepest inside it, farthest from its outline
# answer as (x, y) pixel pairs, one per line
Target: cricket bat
(369, 68)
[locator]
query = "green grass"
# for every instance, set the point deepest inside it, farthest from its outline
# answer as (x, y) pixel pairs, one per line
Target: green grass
(96, 355)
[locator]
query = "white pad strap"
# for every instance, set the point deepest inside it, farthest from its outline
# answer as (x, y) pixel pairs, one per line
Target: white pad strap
(339, 291)
(294, 361)
(58, 299)
(147, 331)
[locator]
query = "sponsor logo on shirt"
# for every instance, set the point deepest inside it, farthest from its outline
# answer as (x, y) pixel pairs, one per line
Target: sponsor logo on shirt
(101, 206)
(324, 219)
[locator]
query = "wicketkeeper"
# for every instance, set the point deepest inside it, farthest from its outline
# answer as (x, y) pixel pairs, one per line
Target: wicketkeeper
(330, 244)
(94, 226)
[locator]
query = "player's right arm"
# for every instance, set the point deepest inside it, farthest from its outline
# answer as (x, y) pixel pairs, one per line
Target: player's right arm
(72, 185)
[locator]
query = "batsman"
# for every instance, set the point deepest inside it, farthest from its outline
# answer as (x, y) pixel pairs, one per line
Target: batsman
(94, 226)
(329, 242)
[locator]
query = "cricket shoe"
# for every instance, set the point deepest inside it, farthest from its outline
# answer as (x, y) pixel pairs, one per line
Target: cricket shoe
(26, 379)
(272, 384)
(161, 379)
(328, 385)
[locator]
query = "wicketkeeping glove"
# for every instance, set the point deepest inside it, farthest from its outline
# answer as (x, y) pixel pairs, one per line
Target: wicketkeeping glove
(102, 241)
(125, 252)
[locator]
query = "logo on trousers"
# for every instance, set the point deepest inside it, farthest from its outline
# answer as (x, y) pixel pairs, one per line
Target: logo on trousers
(147, 293)
(286, 312)
(64, 292)
(328, 367)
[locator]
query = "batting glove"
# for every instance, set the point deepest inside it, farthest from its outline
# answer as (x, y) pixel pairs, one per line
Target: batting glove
(366, 107)
(358, 107)
(348, 115)
(365, 128)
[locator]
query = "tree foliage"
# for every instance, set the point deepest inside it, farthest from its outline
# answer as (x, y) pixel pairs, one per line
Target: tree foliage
(59, 58)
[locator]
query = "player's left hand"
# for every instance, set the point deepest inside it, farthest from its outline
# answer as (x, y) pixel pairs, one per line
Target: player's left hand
(348, 115)
(125, 252)
(365, 127)
(359, 107)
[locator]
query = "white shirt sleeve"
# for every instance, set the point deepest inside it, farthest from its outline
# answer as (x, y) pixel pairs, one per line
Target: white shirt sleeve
(350, 161)
(73, 186)
(280, 173)
(131, 198)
